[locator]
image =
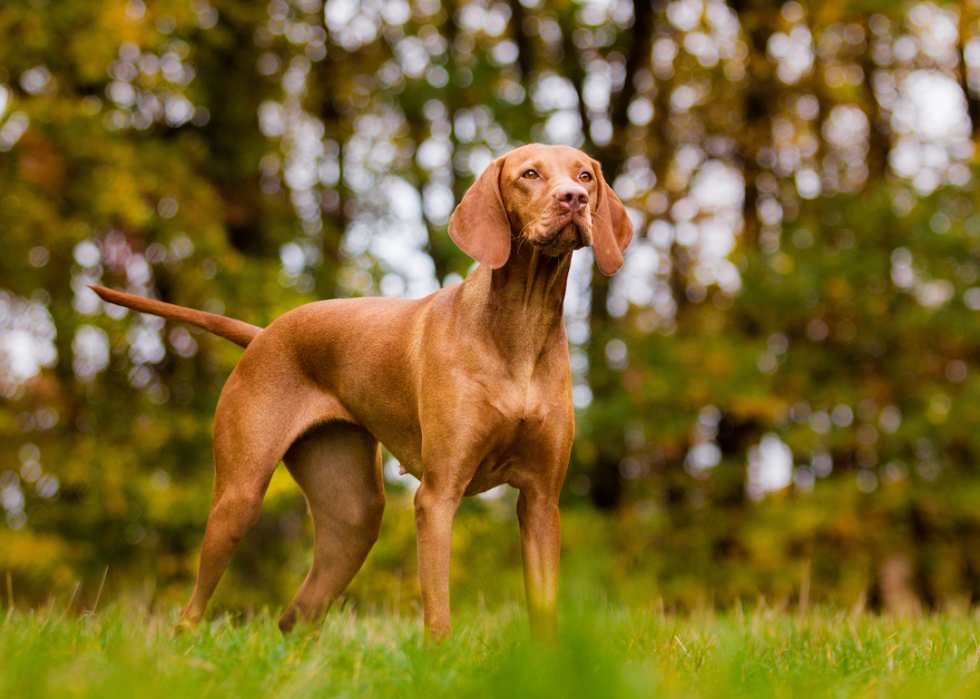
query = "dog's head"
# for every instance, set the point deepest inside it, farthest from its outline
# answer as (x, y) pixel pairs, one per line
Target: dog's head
(554, 197)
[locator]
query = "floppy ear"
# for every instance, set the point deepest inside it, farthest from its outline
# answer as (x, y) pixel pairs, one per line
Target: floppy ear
(612, 229)
(479, 225)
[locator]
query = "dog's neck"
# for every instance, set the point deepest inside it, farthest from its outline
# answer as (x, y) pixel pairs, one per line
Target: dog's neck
(521, 303)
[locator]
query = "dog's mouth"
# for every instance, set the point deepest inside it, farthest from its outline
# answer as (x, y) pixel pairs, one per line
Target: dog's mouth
(569, 231)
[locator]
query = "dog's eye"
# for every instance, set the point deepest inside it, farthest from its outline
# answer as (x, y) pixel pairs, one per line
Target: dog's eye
(530, 175)
(585, 177)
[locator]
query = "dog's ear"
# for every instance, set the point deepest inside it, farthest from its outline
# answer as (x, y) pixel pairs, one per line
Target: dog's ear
(612, 229)
(479, 225)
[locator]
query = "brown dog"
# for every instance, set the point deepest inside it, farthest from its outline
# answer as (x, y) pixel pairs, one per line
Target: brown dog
(468, 388)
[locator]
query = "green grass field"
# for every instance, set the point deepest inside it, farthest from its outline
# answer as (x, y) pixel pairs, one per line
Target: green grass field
(603, 651)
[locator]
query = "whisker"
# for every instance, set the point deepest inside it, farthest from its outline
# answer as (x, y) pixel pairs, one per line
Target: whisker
(531, 223)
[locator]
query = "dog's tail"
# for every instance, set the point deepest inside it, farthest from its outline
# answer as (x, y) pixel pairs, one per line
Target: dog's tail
(235, 330)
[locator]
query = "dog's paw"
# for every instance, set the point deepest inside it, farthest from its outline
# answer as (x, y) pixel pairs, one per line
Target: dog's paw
(185, 625)
(287, 621)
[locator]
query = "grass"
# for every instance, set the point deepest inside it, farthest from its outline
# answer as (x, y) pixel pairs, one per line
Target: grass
(603, 651)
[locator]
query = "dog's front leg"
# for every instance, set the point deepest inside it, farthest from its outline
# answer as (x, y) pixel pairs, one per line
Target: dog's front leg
(435, 509)
(537, 512)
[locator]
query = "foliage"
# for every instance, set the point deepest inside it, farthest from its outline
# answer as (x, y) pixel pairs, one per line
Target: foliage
(783, 377)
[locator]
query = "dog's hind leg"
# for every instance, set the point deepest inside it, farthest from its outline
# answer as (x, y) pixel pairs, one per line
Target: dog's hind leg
(250, 437)
(338, 466)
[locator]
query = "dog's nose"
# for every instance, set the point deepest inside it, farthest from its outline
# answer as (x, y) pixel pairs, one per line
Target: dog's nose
(572, 198)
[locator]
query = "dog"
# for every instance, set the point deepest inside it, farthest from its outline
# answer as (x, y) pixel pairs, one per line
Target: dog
(469, 388)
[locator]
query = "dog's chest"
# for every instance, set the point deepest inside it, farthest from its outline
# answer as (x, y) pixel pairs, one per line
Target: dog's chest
(519, 434)
(522, 399)
(526, 414)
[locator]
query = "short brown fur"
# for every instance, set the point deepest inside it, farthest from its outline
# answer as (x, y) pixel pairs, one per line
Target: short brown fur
(469, 388)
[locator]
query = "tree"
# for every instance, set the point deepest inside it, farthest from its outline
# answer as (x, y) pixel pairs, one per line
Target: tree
(795, 321)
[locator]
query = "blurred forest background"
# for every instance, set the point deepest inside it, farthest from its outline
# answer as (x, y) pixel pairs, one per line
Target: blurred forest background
(778, 395)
